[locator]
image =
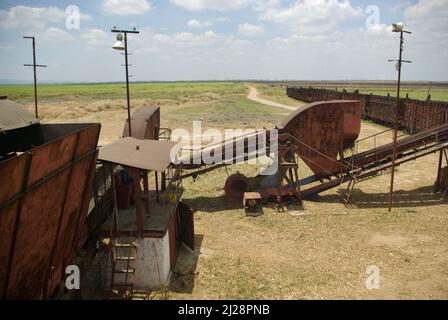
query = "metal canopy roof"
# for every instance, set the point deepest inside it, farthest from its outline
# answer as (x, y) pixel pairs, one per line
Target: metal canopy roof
(141, 154)
(14, 116)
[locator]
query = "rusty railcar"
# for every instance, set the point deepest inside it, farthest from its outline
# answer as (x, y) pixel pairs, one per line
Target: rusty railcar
(46, 173)
(415, 115)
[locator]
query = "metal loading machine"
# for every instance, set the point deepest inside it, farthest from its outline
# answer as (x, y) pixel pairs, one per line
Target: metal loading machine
(318, 133)
(324, 136)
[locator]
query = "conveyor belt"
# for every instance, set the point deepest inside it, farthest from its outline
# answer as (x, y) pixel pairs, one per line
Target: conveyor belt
(369, 163)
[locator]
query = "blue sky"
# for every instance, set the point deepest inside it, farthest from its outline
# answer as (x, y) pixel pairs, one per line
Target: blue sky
(225, 39)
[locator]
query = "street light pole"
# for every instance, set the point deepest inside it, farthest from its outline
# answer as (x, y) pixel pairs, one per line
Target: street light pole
(127, 81)
(397, 28)
(119, 46)
(34, 65)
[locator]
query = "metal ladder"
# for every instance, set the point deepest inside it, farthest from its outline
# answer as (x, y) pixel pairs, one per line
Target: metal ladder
(349, 190)
(124, 253)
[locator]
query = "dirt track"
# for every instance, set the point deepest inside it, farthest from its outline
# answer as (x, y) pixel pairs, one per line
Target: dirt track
(253, 95)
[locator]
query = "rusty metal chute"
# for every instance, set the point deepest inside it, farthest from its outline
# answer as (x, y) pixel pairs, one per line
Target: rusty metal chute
(321, 131)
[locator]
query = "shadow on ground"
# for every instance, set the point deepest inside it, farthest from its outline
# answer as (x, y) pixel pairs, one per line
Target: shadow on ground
(185, 272)
(420, 197)
(211, 204)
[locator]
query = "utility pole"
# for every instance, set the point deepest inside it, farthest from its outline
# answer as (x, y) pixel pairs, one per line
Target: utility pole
(398, 27)
(119, 46)
(35, 66)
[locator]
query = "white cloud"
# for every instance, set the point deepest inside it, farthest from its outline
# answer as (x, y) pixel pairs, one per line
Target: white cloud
(126, 7)
(196, 24)
(218, 5)
(168, 42)
(247, 29)
(56, 35)
(34, 17)
(426, 8)
(96, 37)
(312, 16)
(400, 6)
(188, 39)
(209, 34)
(427, 19)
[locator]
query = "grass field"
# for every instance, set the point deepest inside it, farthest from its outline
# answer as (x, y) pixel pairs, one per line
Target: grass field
(321, 252)
(173, 91)
(182, 90)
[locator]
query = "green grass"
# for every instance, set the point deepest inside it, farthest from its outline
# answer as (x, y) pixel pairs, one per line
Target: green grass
(181, 90)
(233, 110)
(174, 91)
(237, 104)
(413, 93)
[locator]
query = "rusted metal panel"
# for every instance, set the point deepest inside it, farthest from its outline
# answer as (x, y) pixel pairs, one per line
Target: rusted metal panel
(7, 221)
(49, 157)
(81, 234)
(322, 130)
(38, 209)
(145, 122)
(36, 231)
(87, 140)
(71, 211)
(11, 174)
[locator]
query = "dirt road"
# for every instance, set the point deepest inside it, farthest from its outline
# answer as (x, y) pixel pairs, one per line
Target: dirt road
(253, 95)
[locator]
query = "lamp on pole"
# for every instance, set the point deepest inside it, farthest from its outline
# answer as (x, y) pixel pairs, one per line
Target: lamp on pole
(34, 65)
(119, 45)
(398, 28)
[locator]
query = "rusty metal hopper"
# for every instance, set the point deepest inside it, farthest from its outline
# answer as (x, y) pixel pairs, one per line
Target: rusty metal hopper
(46, 176)
(322, 130)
